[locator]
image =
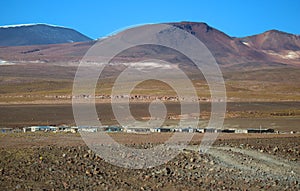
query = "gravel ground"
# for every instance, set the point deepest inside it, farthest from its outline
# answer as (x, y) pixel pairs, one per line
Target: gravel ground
(239, 164)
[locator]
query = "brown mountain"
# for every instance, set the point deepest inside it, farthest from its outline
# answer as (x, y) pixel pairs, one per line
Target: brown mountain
(262, 49)
(226, 49)
(274, 40)
(279, 46)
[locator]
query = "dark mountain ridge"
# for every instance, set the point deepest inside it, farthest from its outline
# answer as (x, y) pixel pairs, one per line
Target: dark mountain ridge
(38, 34)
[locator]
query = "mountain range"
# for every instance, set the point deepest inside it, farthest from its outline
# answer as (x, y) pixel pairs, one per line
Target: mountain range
(47, 43)
(261, 67)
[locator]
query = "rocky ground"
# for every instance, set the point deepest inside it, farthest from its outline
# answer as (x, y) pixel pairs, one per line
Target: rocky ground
(231, 164)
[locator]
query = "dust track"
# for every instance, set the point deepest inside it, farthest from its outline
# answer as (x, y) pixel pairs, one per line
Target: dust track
(254, 162)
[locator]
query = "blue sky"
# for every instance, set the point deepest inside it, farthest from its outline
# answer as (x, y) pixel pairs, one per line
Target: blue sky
(99, 18)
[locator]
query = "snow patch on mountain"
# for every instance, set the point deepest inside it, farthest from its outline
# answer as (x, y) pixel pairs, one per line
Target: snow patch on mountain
(30, 24)
(290, 55)
(246, 43)
(3, 62)
(136, 65)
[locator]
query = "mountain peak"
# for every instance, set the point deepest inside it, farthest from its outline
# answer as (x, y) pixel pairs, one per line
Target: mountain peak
(38, 33)
(277, 32)
(190, 26)
(30, 25)
(275, 40)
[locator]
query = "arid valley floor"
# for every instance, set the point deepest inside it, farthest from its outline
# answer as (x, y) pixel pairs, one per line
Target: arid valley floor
(48, 161)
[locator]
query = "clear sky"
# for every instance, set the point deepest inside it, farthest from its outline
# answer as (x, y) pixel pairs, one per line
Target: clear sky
(101, 17)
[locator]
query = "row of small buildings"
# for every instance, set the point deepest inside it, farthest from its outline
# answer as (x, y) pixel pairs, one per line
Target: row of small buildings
(75, 129)
(198, 130)
(50, 129)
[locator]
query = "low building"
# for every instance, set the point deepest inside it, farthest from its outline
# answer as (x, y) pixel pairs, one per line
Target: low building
(69, 129)
(165, 130)
(74, 129)
(6, 130)
(63, 128)
(40, 128)
(161, 130)
(241, 131)
(254, 131)
(209, 130)
(200, 130)
(228, 131)
(218, 131)
(26, 129)
(154, 130)
(137, 130)
(188, 130)
(260, 130)
(88, 129)
(113, 129)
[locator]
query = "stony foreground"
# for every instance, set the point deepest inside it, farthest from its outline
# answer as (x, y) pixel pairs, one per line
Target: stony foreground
(252, 164)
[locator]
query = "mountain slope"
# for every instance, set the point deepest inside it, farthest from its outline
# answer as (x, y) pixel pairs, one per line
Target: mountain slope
(274, 40)
(35, 34)
(226, 49)
(276, 44)
(267, 49)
